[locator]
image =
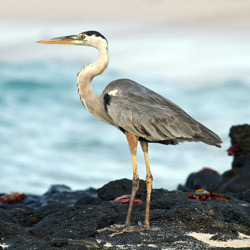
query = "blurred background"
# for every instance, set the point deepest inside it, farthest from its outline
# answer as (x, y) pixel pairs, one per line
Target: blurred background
(195, 53)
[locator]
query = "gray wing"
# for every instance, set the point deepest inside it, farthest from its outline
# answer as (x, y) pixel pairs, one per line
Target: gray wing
(148, 115)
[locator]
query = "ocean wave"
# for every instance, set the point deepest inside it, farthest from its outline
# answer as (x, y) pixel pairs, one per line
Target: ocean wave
(45, 129)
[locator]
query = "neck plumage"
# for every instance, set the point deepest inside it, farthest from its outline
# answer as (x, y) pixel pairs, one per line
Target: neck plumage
(90, 100)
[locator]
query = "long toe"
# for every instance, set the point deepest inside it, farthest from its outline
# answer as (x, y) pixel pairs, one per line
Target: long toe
(120, 229)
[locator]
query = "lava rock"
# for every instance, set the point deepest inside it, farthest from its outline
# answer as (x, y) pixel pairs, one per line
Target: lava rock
(59, 225)
(206, 178)
(57, 194)
(118, 188)
(240, 136)
(235, 180)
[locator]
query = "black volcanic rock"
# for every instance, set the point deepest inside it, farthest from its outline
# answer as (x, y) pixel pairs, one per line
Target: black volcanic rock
(240, 136)
(206, 178)
(235, 180)
(114, 189)
(56, 224)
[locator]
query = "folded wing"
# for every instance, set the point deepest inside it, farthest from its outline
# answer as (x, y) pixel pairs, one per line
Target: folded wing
(152, 117)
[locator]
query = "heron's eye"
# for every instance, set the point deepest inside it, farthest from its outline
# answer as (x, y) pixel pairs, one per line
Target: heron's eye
(82, 36)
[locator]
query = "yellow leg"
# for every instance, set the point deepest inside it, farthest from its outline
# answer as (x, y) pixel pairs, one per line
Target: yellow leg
(132, 141)
(149, 181)
(119, 229)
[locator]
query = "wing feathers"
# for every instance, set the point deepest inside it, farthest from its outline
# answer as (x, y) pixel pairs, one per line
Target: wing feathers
(152, 117)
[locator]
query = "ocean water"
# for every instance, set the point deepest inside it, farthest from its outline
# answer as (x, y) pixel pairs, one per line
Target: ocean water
(46, 135)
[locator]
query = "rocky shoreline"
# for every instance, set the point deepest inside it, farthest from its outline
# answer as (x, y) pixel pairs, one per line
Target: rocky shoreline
(70, 220)
(66, 219)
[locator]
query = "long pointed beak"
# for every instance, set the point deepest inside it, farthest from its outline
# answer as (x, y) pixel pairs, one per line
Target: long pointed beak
(60, 40)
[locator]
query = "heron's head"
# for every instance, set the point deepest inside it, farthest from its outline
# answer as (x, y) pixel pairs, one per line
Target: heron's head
(88, 38)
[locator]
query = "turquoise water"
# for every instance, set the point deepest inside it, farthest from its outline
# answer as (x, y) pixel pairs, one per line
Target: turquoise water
(47, 137)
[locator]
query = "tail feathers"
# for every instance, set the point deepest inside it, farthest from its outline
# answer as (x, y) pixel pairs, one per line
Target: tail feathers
(208, 136)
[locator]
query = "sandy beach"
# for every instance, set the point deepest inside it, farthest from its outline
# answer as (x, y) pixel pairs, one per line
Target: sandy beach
(212, 14)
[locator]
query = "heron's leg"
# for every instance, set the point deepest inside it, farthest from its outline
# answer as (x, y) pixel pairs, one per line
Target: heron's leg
(149, 181)
(132, 142)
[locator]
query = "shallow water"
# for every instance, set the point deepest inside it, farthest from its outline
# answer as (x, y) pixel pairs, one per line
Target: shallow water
(47, 136)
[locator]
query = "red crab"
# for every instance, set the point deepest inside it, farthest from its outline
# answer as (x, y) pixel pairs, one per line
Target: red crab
(125, 199)
(204, 194)
(13, 197)
(234, 149)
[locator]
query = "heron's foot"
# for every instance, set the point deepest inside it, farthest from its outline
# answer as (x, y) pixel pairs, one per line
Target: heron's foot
(120, 229)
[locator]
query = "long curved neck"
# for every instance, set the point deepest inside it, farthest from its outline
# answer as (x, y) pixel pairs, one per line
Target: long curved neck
(88, 72)
(90, 100)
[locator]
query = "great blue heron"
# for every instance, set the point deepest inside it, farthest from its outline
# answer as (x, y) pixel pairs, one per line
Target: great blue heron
(141, 114)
